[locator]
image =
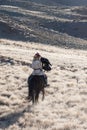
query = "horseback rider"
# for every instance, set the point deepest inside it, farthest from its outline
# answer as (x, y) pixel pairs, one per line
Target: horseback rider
(37, 69)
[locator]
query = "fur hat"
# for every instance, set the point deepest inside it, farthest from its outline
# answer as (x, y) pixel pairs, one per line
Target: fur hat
(37, 55)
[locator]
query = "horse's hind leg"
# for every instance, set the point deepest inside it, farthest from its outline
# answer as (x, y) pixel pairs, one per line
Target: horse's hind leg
(33, 97)
(36, 97)
(29, 97)
(43, 92)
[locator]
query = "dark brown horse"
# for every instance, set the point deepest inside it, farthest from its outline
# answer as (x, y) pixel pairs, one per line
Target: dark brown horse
(35, 86)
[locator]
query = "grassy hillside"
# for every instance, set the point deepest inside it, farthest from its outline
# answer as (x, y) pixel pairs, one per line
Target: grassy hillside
(59, 33)
(63, 26)
(62, 2)
(65, 103)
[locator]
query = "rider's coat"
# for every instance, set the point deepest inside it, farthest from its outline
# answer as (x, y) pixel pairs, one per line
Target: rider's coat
(37, 67)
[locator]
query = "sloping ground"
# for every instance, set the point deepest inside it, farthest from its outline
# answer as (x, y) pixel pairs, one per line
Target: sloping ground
(65, 103)
(81, 10)
(49, 2)
(55, 25)
(62, 2)
(7, 31)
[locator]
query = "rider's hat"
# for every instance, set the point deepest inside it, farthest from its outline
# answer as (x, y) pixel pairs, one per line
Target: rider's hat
(37, 55)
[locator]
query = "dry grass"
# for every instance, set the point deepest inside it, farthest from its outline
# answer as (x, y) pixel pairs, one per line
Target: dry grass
(64, 107)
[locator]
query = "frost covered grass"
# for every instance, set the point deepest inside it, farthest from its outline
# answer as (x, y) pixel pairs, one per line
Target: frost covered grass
(65, 103)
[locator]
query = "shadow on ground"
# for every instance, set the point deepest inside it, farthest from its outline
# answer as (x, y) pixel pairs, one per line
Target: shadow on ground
(12, 118)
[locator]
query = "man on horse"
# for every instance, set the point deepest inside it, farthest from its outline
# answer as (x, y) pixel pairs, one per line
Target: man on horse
(37, 67)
